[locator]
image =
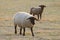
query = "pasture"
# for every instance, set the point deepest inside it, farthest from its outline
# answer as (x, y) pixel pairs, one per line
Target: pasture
(46, 29)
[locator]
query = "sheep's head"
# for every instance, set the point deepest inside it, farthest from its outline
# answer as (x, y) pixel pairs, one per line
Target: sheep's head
(42, 6)
(32, 19)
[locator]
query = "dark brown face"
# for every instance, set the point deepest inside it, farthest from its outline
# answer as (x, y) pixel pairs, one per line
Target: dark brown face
(42, 6)
(32, 19)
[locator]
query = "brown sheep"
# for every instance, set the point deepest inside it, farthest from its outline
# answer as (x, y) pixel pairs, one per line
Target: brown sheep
(37, 11)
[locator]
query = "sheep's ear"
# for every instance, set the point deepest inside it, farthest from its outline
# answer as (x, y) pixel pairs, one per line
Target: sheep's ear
(33, 18)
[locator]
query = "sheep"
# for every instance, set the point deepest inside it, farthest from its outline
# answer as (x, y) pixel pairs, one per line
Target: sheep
(24, 20)
(37, 11)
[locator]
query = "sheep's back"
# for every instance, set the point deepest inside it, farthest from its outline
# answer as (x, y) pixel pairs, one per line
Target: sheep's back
(36, 10)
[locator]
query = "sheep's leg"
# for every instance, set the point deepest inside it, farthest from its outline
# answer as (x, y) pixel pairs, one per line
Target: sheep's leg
(20, 30)
(15, 29)
(23, 31)
(32, 31)
(38, 16)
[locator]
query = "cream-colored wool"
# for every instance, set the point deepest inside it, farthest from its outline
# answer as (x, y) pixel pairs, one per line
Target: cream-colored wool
(21, 19)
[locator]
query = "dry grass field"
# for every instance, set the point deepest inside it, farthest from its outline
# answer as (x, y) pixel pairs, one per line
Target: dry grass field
(46, 29)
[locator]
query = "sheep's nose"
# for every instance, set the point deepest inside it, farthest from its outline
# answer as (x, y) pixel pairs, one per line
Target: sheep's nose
(37, 19)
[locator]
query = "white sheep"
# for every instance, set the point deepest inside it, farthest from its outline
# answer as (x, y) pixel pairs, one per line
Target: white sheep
(23, 20)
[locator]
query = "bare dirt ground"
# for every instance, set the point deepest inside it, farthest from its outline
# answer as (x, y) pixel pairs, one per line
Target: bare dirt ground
(46, 29)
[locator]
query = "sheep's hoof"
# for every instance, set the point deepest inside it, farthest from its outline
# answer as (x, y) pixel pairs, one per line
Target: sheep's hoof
(23, 34)
(20, 33)
(32, 35)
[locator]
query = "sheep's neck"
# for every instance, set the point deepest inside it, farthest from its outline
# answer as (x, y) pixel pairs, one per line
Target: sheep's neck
(42, 8)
